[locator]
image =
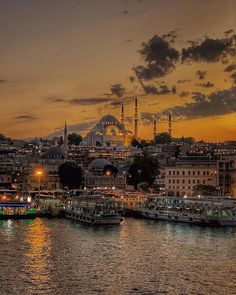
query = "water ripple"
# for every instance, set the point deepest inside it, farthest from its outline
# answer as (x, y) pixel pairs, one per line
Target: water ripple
(139, 257)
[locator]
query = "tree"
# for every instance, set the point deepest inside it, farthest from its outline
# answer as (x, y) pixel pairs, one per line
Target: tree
(60, 141)
(144, 143)
(143, 186)
(144, 168)
(163, 138)
(135, 142)
(71, 175)
(140, 144)
(75, 138)
(188, 140)
(205, 190)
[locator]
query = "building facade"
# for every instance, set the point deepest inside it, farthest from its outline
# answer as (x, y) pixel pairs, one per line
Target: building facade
(188, 172)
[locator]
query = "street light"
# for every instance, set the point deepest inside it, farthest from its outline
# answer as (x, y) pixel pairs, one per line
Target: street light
(39, 174)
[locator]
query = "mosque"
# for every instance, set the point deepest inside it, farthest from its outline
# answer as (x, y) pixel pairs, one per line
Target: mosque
(110, 132)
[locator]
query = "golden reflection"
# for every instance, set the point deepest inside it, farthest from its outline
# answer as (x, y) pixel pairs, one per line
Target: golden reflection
(39, 240)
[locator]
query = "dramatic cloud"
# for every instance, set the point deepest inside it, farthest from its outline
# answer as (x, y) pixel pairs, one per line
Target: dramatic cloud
(132, 79)
(210, 50)
(163, 89)
(184, 94)
(160, 58)
(171, 36)
(81, 101)
(147, 118)
(230, 68)
(25, 118)
(205, 85)
(118, 90)
(217, 103)
(87, 101)
(125, 12)
(233, 77)
(201, 74)
(150, 89)
(181, 81)
(57, 99)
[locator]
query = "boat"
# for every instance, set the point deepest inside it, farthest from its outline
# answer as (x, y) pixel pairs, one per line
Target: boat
(201, 210)
(93, 211)
(13, 206)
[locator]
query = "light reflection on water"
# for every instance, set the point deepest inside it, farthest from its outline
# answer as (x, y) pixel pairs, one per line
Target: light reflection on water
(139, 257)
(37, 257)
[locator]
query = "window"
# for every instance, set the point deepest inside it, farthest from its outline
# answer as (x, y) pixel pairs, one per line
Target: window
(198, 172)
(183, 181)
(183, 172)
(169, 172)
(189, 172)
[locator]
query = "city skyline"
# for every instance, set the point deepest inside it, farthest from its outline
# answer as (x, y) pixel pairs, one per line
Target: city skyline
(77, 60)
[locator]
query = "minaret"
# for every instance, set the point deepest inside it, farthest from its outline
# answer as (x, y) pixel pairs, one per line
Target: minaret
(65, 142)
(170, 124)
(122, 114)
(154, 128)
(136, 118)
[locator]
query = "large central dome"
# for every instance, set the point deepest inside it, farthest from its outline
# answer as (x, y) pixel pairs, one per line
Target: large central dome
(108, 131)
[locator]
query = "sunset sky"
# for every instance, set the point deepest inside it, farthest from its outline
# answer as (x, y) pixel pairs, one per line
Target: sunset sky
(75, 60)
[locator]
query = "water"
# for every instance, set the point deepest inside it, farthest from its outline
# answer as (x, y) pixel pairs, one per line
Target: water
(57, 256)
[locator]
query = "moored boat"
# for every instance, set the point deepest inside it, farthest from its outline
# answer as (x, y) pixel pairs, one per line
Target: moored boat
(209, 211)
(94, 211)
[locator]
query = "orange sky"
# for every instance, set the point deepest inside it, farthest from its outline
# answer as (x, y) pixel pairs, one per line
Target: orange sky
(78, 48)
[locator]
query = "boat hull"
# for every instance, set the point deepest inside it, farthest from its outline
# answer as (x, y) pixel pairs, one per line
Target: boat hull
(94, 220)
(189, 218)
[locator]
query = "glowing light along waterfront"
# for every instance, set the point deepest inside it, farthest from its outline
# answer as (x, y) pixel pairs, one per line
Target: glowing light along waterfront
(54, 256)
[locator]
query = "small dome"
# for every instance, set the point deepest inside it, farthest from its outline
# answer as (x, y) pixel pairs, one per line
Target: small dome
(54, 152)
(99, 163)
(83, 143)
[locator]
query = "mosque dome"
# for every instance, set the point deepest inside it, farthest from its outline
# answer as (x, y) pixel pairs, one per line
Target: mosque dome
(83, 143)
(54, 152)
(99, 164)
(108, 132)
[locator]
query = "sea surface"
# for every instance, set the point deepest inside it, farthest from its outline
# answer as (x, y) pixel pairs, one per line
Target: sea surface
(58, 256)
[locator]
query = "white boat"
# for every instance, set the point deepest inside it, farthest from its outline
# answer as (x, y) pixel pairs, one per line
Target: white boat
(94, 212)
(209, 211)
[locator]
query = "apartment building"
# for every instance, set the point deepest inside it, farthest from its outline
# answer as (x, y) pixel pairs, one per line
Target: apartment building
(185, 173)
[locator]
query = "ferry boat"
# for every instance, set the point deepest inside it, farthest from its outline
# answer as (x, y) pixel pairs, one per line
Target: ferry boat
(13, 206)
(200, 210)
(94, 211)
